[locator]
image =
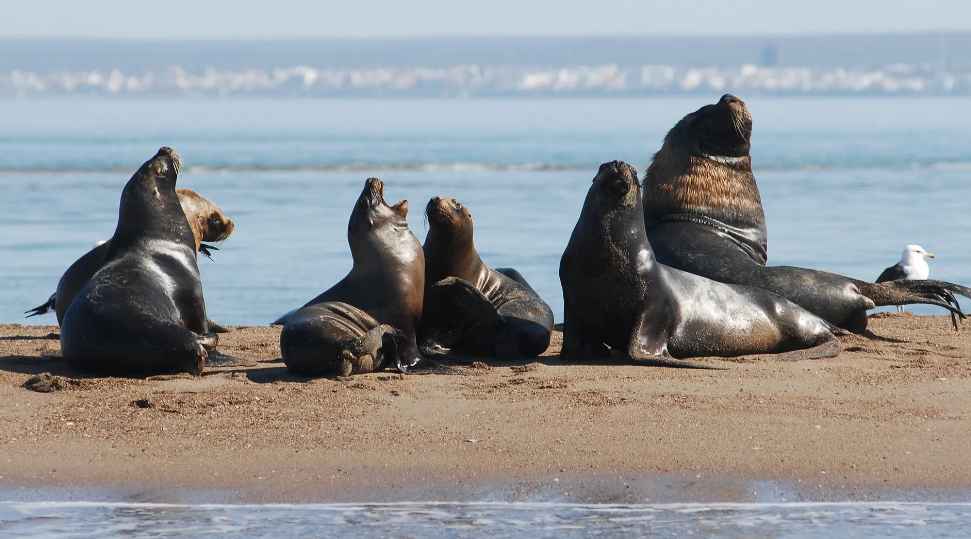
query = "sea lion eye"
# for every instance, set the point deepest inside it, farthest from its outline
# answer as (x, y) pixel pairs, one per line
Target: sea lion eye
(458, 206)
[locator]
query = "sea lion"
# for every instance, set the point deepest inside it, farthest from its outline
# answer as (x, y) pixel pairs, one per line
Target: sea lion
(367, 321)
(143, 310)
(469, 307)
(207, 221)
(616, 294)
(704, 215)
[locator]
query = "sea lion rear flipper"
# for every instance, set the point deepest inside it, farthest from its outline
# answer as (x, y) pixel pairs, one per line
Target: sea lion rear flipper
(216, 328)
(910, 292)
(48, 307)
(219, 359)
(830, 348)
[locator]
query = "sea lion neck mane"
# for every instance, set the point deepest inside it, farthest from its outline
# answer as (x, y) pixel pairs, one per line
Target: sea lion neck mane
(703, 174)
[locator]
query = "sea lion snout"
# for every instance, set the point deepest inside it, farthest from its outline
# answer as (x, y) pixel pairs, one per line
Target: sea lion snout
(166, 157)
(617, 175)
(442, 211)
(218, 227)
(728, 99)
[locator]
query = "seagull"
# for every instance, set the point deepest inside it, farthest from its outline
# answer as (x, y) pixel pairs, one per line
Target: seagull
(912, 267)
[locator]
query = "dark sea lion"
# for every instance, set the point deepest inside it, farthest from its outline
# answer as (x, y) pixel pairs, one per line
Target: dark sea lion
(143, 311)
(207, 221)
(368, 320)
(469, 307)
(616, 294)
(704, 215)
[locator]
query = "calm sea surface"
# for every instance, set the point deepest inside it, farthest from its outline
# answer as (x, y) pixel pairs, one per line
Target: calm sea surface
(846, 184)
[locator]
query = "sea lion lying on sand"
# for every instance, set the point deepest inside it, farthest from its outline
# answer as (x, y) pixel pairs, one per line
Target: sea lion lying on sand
(368, 320)
(704, 215)
(469, 307)
(616, 294)
(143, 312)
(207, 221)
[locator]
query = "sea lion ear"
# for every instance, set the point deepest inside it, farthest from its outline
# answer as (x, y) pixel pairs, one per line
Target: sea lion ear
(648, 339)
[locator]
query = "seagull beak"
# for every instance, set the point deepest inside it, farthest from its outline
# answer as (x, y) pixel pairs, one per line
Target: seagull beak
(929, 255)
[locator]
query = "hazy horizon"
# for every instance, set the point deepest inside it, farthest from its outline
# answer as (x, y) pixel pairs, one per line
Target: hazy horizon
(222, 20)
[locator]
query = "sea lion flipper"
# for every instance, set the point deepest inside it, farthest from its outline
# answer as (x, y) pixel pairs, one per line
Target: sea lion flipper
(43, 309)
(205, 249)
(219, 359)
(830, 348)
(216, 328)
(578, 344)
(457, 316)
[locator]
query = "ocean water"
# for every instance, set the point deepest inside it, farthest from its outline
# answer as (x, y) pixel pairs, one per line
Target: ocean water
(58, 520)
(846, 183)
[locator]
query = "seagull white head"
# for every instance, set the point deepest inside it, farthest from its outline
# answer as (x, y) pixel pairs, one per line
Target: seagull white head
(913, 253)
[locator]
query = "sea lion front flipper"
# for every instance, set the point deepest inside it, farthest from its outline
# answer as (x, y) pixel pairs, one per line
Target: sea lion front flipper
(649, 344)
(578, 344)
(48, 307)
(457, 316)
(205, 249)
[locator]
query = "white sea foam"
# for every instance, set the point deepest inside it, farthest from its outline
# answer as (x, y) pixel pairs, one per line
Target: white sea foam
(55, 520)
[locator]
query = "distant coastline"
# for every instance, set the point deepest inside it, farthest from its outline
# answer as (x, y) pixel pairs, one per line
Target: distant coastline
(930, 64)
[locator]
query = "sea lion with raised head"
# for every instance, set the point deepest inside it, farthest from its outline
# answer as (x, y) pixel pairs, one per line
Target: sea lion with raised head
(616, 294)
(704, 215)
(469, 307)
(207, 221)
(368, 320)
(143, 311)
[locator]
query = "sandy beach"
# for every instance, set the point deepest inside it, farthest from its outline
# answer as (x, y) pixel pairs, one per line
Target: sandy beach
(892, 411)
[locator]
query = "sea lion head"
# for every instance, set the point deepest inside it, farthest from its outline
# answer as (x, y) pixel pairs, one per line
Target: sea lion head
(207, 220)
(722, 130)
(448, 217)
(149, 204)
(376, 225)
(616, 185)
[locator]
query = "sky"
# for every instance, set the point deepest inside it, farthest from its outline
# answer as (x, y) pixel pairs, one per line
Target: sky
(311, 19)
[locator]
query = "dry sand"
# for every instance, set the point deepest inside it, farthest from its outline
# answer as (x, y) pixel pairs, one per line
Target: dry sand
(892, 410)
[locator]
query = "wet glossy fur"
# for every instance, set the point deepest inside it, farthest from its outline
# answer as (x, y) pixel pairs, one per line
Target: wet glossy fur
(616, 294)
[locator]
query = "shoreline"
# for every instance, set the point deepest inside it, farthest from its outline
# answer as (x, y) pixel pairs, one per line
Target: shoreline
(888, 417)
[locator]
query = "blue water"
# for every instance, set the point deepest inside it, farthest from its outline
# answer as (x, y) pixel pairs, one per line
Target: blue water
(445, 520)
(846, 183)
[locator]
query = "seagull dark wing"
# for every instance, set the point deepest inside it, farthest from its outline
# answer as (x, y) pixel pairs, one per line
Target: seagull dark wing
(893, 273)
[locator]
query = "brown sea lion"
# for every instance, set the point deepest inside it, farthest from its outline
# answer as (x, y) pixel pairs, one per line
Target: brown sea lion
(616, 294)
(469, 307)
(207, 221)
(704, 215)
(143, 312)
(368, 320)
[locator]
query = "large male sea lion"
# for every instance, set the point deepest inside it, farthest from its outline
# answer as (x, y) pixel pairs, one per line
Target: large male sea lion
(143, 311)
(207, 221)
(469, 307)
(704, 215)
(367, 321)
(616, 294)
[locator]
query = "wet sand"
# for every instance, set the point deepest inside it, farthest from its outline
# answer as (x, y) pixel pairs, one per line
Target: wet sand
(891, 412)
